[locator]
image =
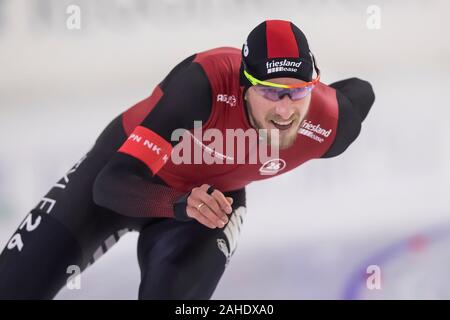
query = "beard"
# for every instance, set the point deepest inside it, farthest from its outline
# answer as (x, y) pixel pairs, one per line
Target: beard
(282, 139)
(274, 134)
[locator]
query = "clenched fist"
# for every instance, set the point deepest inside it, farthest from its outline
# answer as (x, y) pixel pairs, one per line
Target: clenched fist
(209, 208)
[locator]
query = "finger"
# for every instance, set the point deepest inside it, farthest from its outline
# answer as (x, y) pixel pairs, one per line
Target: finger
(230, 200)
(222, 200)
(199, 195)
(193, 213)
(207, 212)
(205, 187)
(212, 203)
(211, 216)
(191, 201)
(194, 200)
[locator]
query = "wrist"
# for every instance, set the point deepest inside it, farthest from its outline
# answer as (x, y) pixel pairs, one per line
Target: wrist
(179, 208)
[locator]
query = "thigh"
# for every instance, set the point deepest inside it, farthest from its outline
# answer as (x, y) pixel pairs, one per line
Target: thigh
(62, 231)
(35, 261)
(185, 260)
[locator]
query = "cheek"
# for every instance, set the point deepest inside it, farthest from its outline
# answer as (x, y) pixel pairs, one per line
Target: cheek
(261, 107)
(303, 107)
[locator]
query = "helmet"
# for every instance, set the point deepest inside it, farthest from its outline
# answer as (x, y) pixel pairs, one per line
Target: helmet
(274, 49)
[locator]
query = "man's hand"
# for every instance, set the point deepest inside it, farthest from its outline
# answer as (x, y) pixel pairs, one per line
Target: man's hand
(209, 209)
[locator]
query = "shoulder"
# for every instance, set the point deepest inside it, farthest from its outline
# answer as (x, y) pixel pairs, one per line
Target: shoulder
(359, 92)
(354, 98)
(186, 97)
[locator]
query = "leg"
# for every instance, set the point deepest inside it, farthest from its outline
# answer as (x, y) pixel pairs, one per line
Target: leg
(185, 260)
(34, 263)
(65, 229)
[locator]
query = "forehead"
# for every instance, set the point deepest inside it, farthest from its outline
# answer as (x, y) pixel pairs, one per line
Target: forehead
(285, 81)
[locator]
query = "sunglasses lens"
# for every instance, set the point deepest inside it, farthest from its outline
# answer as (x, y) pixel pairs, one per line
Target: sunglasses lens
(268, 92)
(300, 93)
(276, 94)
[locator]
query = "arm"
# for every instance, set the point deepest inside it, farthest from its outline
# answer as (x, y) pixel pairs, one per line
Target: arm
(128, 183)
(355, 98)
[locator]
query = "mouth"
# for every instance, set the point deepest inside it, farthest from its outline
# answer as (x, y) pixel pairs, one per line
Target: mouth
(282, 125)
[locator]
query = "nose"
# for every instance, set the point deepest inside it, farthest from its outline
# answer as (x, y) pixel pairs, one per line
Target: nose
(283, 108)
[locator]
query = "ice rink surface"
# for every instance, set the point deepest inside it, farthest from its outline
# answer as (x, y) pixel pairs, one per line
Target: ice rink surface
(310, 233)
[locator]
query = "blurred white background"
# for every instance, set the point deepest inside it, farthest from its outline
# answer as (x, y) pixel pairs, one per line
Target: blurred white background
(308, 231)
